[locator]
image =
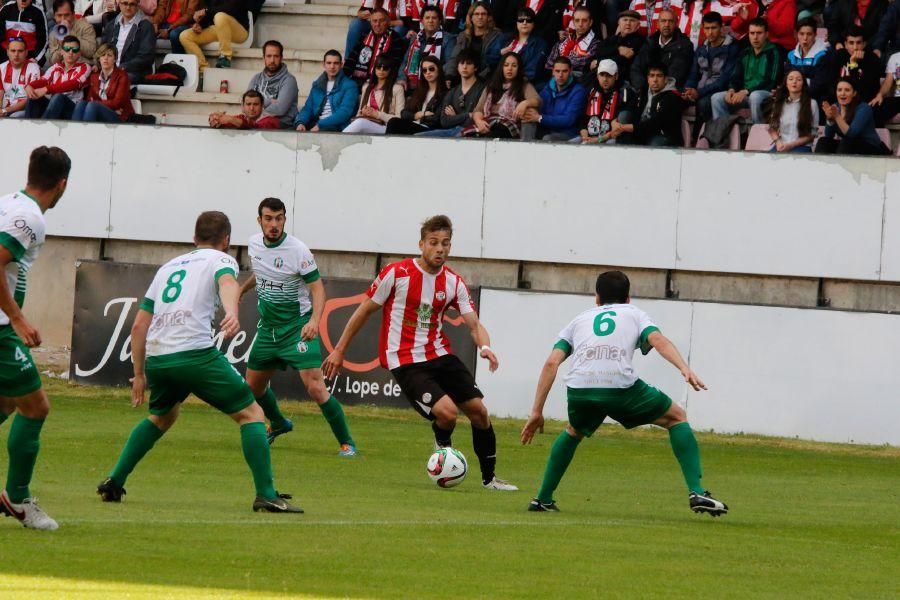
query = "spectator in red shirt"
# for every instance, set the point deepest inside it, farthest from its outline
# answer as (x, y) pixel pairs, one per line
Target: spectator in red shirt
(781, 16)
(54, 95)
(251, 110)
(108, 97)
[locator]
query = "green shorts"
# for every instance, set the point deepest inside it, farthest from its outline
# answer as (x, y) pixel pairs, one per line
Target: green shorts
(641, 404)
(281, 347)
(18, 375)
(205, 373)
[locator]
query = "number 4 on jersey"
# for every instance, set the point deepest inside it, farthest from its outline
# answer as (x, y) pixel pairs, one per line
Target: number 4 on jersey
(21, 356)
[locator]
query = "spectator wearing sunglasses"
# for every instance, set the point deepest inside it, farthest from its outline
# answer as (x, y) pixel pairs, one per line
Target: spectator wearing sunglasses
(460, 101)
(55, 95)
(64, 15)
(527, 44)
(423, 110)
(380, 41)
(547, 16)
(16, 74)
(382, 100)
(132, 34)
(22, 20)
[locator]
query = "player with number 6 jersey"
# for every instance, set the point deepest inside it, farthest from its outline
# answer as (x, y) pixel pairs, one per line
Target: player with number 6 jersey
(172, 334)
(602, 383)
(21, 237)
(290, 297)
(413, 295)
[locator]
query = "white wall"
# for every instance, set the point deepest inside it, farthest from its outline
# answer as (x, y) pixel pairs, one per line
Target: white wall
(814, 374)
(834, 217)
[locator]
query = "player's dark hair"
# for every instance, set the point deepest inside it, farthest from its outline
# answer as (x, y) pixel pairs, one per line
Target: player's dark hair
(47, 167)
(712, 17)
(562, 60)
(469, 56)
(658, 66)
(613, 287)
(436, 223)
(807, 22)
(71, 39)
(434, 9)
(332, 53)
(57, 4)
(252, 94)
(273, 204)
(212, 227)
(855, 31)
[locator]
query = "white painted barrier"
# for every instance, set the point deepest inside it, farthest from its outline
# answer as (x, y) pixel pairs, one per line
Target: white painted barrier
(814, 374)
(835, 217)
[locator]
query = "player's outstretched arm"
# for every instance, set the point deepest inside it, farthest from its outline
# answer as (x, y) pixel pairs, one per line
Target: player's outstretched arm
(535, 421)
(26, 332)
(482, 339)
(668, 351)
(332, 364)
(310, 331)
(138, 352)
(248, 285)
(230, 294)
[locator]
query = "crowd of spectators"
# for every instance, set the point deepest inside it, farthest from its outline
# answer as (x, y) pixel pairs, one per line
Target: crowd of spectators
(820, 74)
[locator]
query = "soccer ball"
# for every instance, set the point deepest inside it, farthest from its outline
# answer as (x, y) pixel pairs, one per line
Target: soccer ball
(447, 467)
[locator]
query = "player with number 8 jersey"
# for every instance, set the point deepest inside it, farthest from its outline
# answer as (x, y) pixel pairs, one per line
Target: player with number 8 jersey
(173, 331)
(21, 237)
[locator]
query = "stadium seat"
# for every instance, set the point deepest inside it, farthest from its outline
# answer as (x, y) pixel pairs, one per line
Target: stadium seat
(245, 44)
(136, 105)
(190, 64)
(686, 129)
(885, 136)
(759, 139)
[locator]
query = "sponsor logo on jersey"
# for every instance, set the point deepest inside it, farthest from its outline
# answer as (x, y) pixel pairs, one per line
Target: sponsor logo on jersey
(604, 352)
(424, 314)
(440, 296)
(169, 319)
(306, 264)
(426, 398)
(22, 225)
(302, 347)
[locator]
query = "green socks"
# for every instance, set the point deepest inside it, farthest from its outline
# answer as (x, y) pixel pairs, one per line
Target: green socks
(560, 456)
(686, 450)
(256, 453)
(269, 403)
(144, 435)
(334, 414)
(23, 445)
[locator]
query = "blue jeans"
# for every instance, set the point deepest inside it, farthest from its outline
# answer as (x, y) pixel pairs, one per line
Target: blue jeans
(174, 32)
(441, 133)
(754, 101)
(798, 149)
(94, 112)
(57, 106)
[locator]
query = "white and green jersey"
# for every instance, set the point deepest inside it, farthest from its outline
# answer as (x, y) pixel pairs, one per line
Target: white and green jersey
(282, 271)
(183, 299)
(602, 342)
(22, 234)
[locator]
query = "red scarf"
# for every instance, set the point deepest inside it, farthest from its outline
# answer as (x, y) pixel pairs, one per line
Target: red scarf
(535, 5)
(516, 45)
(372, 49)
(862, 7)
(578, 46)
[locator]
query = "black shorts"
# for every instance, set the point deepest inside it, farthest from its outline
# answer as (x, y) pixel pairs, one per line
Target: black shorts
(425, 383)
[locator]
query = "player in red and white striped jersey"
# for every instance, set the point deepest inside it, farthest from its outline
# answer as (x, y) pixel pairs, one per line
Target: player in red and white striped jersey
(413, 295)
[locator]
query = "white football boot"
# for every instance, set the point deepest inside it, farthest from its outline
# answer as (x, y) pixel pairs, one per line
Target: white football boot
(499, 484)
(28, 513)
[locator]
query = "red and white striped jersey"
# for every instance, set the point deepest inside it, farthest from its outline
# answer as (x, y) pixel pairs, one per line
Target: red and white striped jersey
(413, 306)
(70, 82)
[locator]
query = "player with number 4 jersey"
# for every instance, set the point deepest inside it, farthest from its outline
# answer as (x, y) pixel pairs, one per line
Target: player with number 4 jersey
(291, 297)
(413, 295)
(21, 237)
(602, 383)
(173, 332)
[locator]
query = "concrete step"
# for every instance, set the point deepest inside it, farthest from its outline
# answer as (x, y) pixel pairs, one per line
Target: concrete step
(239, 79)
(197, 103)
(303, 37)
(251, 59)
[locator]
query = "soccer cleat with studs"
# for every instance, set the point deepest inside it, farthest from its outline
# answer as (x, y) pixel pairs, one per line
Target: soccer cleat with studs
(110, 491)
(538, 506)
(28, 513)
(278, 505)
(286, 427)
(499, 484)
(705, 503)
(348, 450)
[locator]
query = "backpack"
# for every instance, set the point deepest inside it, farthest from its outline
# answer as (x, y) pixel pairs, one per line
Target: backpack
(169, 73)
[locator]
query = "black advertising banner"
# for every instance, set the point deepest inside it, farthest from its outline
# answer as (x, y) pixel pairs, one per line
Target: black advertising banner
(107, 295)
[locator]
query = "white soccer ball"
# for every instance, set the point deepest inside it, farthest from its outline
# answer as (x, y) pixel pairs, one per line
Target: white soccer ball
(447, 467)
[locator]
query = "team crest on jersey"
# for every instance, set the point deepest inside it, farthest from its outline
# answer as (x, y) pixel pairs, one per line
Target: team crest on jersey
(279, 262)
(426, 398)
(440, 296)
(302, 347)
(424, 314)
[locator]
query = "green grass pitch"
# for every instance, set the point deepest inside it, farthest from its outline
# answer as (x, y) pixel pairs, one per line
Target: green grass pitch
(807, 520)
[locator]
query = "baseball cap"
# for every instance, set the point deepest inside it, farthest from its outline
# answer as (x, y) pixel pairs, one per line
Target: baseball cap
(608, 66)
(633, 14)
